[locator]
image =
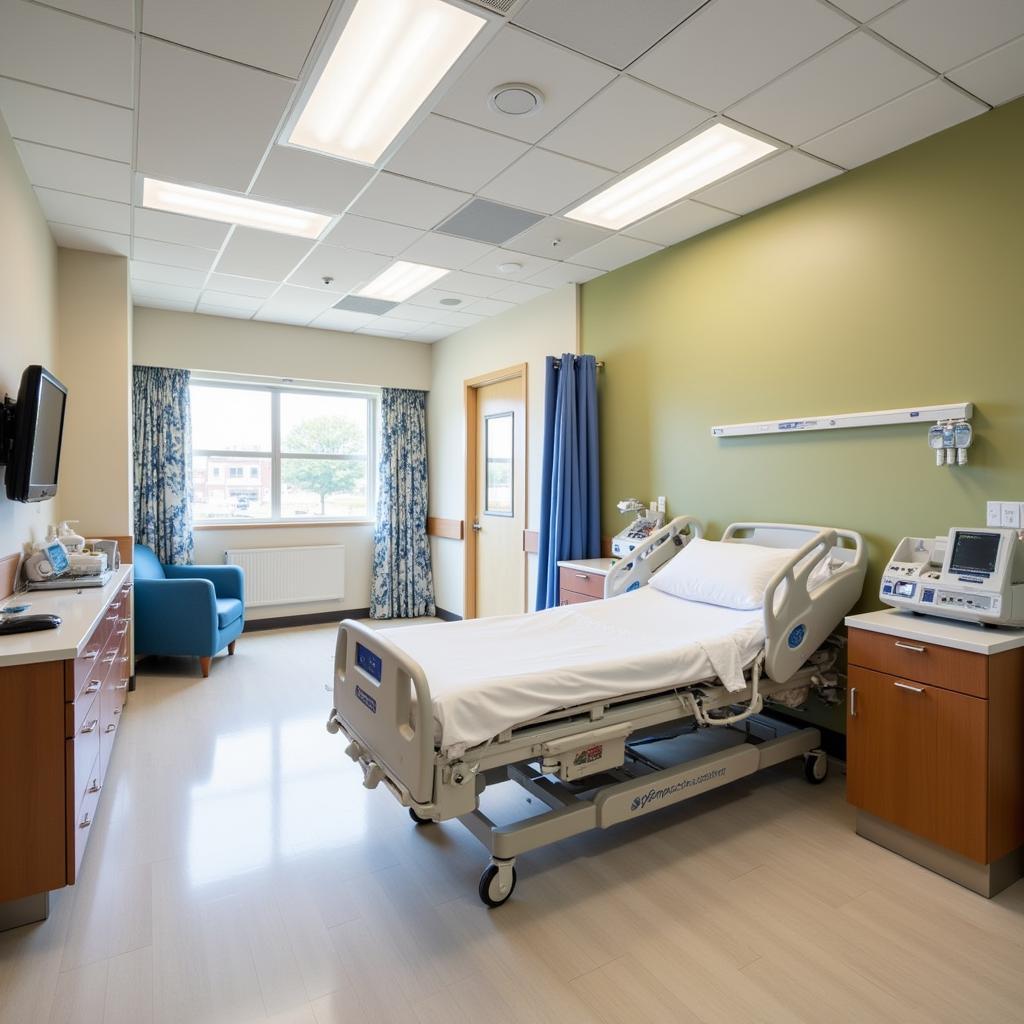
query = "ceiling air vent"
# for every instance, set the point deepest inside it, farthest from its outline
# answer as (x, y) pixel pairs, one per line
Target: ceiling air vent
(498, 6)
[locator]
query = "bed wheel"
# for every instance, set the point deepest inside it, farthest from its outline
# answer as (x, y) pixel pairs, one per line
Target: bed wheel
(497, 883)
(816, 767)
(419, 821)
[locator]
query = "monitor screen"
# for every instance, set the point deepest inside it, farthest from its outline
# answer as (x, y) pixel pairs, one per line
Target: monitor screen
(974, 552)
(46, 450)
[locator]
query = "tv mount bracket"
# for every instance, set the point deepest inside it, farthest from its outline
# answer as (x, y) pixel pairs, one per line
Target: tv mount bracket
(7, 411)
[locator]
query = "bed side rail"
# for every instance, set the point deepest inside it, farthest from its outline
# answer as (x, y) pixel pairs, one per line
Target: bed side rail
(382, 702)
(637, 569)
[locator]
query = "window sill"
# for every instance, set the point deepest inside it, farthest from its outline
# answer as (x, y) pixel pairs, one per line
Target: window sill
(278, 524)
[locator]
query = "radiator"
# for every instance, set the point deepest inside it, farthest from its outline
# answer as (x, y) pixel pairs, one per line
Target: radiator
(291, 575)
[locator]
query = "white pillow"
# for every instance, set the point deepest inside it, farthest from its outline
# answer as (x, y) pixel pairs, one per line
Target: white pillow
(730, 575)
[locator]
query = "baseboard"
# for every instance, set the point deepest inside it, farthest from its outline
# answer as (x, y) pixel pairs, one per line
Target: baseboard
(446, 616)
(310, 619)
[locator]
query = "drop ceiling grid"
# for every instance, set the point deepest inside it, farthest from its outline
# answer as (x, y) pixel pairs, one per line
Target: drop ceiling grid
(158, 249)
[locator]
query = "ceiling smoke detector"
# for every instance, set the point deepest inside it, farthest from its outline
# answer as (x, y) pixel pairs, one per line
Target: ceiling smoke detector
(451, 302)
(516, 99)
(509, 268)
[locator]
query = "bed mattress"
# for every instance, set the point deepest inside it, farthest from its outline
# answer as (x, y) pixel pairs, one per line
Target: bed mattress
(488, 675)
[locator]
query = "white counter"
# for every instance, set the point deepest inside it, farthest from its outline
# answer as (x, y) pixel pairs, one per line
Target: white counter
(596, 566)
(80, 611)
(964, 636)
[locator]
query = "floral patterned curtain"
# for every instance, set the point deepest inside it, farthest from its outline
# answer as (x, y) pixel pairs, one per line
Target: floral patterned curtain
(162, 432)
(403, 581)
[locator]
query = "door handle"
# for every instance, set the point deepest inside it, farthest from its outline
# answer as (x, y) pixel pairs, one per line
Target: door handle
(916, 648)
(907, 686)
(853, 701)
(477, 527)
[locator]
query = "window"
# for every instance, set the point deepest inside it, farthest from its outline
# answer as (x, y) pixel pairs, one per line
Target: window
(272, 454)
(498, 446)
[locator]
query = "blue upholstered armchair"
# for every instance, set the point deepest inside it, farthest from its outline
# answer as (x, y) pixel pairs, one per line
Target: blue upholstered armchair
(192, 610)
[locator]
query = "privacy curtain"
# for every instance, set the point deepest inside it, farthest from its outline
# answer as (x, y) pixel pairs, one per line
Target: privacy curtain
(403, 581)
(570, 524)
(162, 434)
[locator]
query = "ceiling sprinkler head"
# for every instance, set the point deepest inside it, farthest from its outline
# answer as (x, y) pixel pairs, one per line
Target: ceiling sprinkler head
(327, 280)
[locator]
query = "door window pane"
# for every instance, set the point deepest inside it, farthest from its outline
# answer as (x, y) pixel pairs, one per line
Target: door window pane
(323, 425)
(231, 487)
(230, 419)
(498, 446)
(332, 488)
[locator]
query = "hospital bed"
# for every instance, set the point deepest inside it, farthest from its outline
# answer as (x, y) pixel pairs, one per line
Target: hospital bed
(569, 703)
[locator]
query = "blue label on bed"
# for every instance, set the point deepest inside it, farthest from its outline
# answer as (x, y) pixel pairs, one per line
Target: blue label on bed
(796, 636)
(369, 662)
(366, 699)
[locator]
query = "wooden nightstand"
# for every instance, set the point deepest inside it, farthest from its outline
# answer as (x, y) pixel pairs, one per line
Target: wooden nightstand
(583, 580)
(935, 744)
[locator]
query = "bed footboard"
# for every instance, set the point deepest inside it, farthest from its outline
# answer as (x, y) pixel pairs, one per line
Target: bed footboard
(383, 705)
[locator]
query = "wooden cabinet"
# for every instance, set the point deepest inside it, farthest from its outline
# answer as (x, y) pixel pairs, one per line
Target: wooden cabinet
(935, 742)
(582, 581)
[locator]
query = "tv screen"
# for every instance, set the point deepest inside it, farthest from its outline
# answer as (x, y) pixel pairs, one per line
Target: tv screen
(33, 459)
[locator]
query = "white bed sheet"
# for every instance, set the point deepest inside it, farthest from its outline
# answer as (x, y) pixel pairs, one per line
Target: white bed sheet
(488, 675)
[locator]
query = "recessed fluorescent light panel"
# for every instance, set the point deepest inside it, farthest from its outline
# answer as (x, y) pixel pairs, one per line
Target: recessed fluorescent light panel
(249, 213)
(714, 153)
(401, 280)
(389, 58)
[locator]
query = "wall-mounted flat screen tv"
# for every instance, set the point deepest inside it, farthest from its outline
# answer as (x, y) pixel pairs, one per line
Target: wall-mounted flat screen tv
(35, 428)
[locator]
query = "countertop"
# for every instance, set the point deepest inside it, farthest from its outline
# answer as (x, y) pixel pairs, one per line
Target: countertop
(81, 611)
(596, 566)
(964, 636)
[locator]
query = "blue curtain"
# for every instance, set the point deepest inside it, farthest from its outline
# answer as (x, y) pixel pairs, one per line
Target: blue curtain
(570, 517)
(162, 434)
(403, 581)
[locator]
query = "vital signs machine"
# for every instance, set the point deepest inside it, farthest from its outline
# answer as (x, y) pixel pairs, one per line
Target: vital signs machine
(976, 575)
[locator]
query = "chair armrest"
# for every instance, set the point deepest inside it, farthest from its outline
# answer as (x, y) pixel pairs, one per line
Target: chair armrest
(171, 612)
(227, 580)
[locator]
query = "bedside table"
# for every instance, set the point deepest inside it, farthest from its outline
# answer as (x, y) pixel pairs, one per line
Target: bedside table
(583, 580)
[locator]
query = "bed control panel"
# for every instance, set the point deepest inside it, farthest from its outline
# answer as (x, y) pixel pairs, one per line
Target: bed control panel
(369, 662)
(587, 753)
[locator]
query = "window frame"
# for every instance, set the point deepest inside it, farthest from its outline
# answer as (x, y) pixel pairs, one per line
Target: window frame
(275, 455)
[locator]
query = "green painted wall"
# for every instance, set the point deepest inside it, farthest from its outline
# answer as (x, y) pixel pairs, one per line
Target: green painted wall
(899, 283)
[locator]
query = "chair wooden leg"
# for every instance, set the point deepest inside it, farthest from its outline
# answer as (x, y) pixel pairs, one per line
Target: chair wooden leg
(204, 664)
(231, 647)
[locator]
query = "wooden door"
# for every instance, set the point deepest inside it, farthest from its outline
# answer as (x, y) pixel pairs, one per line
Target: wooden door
(499, 515)
(916, 757)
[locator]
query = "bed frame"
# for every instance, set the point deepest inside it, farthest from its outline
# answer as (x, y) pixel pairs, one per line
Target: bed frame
(383, 705)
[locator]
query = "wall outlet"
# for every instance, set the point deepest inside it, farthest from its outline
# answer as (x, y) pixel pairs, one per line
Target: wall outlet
(994, 513)
(661, 503)
(1011, 514)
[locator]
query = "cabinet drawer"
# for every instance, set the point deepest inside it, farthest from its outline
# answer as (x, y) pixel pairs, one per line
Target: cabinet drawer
(80, 826)
(589, 583)
(570, 597)
(84, 745)
(946, 667)
(76, 713)
(85, 667)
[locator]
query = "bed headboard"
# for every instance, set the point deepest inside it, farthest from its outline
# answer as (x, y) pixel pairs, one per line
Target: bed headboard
(791, 535)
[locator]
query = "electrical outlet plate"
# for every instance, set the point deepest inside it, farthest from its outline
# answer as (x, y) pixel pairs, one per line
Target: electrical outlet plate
(994, 513)
(1011, 514)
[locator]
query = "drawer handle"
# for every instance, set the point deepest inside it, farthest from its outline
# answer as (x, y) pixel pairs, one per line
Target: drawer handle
(92, 687)
(91, 654)
(582, 576)
(109, 659)
(112, 618)
(117, 711)
(916, 648)
(121, 686)
(907, 686)
(90, 726)
(94, 786)
(853, 701)
(86, 821)
(111, 727)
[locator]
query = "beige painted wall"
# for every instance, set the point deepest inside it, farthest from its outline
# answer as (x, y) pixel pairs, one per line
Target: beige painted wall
(895, 284)
(546, 326)
(28, 319)
(94, 361)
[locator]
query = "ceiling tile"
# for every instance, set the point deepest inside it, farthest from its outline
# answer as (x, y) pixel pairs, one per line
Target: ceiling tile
(49, 47)
(945, 33)
(70, 122)
(172, 255)
(112, 12)
(436, 250)
(768, 181)
(393, 325)
(456, 318)
(520, 292)
(204, 120)
(160, 274)
(207, 309)
(293, 305)
(998, 77)
(91, 240)
(341, 320)
(348, 269)
(367, 235)
(454, 154)
(153, 289)
(262, 33)
(566, 79)
(559, 274)
(173, 227)
(732, 47)
(76, 172)
(684, 220)
(489, 307)
(241, 285)
(613, 253)
(309, 180)
(471, 284)
(626, 123)
(850, 78)
(612, 31)
(436, 299)
(864, 10)
(546, 182)
(408, 311)
(381, 332)
(229, 300)
(520, 265)
(484, 221)
(150, 302)
(922, 112)
(404, 201)
(433, 332)
(262, 254)
(558, 239)
(84, 211)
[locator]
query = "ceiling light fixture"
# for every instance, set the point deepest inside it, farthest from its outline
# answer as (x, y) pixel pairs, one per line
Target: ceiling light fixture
(231, 209)
(714, 153)
(401, 281)
(389, 58)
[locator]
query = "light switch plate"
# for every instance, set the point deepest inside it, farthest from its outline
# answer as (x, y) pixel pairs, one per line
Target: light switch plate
(1011, 514)
(994, 513)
